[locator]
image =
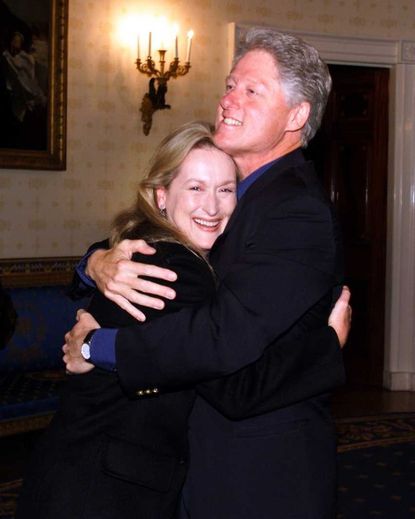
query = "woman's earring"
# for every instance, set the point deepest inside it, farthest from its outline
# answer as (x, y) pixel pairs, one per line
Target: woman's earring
(163, 212)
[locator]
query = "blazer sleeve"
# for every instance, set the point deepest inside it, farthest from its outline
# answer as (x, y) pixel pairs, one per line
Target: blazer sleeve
(286, 268)
(77, 289)
(288, 372)
(195, 285)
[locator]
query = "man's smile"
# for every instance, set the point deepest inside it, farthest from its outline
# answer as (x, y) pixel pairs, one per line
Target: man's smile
(229, 121)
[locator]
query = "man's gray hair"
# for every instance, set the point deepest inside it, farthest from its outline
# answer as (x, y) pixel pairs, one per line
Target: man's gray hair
(303, 74)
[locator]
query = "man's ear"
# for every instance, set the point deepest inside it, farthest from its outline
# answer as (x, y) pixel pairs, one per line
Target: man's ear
(298, 116)
(161, 194)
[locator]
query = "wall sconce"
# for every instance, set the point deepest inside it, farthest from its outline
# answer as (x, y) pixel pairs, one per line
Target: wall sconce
(155, 99)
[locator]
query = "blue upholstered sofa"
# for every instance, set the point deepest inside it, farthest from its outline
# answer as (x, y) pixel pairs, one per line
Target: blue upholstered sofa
(31, 367)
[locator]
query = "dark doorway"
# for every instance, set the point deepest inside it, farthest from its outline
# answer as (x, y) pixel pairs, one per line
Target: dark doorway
(350, 152)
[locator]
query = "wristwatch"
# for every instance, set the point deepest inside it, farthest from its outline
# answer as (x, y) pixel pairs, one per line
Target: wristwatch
(86, 346)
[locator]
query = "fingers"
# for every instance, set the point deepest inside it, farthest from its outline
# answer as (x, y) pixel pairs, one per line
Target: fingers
(341, 316)
(126, 248)
(77, 367)
(144, 300)
(139, 292)
(79, 313)
(70, 349)
(128, 282)
(129, 290)
(137, 246)
(74, 362)
(75, 336)
(86, 323)
(154, 289)
(345, 295)
(123, 303)
(127, 269)
(67, 339)
(344, 300)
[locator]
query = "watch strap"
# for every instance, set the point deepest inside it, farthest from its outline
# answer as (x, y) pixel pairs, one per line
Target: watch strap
(86, 346)
(88, 337)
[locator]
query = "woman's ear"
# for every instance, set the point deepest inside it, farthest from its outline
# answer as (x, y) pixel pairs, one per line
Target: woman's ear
(161, 194)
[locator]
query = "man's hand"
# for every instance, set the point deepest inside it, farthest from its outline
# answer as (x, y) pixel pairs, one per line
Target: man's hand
(341, 316)
(119, 278)
(73, 359)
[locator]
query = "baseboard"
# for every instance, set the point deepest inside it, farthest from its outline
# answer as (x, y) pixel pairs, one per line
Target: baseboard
(399, 380)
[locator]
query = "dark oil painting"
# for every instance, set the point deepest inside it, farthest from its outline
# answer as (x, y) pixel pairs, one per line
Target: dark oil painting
(32, 83)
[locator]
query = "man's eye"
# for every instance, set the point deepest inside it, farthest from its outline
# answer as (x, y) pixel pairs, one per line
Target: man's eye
(251, 91)
(228, 87)
(227, 190)
(195, 188)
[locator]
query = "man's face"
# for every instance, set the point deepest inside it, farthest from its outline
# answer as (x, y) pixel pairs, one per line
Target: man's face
(253, 121)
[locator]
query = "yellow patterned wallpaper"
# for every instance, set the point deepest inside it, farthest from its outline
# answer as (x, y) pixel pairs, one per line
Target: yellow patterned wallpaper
(59, 213)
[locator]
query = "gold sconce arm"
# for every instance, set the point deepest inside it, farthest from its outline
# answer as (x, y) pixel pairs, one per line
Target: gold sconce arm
(155, 98)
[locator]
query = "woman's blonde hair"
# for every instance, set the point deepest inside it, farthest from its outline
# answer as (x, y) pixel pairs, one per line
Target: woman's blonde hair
(144, 219)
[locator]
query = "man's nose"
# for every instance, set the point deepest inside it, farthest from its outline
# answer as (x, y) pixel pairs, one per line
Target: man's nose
(230, 99)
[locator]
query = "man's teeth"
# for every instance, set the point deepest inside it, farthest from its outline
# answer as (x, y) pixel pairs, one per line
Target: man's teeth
(232, 122)
(206, 223)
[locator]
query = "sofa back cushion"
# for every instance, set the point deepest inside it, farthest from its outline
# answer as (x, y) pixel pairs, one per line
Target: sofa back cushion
(45, 314)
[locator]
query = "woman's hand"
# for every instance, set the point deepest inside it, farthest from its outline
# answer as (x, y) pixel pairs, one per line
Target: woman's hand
(75, 363)
(341, 316)
(120, 279)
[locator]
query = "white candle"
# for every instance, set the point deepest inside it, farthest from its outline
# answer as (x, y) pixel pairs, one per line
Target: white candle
(149, 43)
(189, 45)
(176, 47)
(138, 46)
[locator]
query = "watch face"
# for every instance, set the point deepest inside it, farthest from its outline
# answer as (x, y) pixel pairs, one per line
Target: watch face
(86, 351)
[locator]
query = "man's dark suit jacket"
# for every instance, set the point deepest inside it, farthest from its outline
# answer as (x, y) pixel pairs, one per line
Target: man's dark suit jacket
(278, 265)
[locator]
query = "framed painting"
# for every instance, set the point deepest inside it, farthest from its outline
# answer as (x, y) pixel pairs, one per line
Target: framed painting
(33, 83)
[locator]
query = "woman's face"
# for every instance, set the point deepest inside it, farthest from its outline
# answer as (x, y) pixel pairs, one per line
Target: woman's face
(202, 196)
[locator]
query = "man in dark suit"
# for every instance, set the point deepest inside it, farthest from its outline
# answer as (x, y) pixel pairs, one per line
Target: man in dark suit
(278, 264)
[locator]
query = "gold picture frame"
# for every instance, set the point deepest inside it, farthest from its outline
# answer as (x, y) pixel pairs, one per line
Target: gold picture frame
(33, 84)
